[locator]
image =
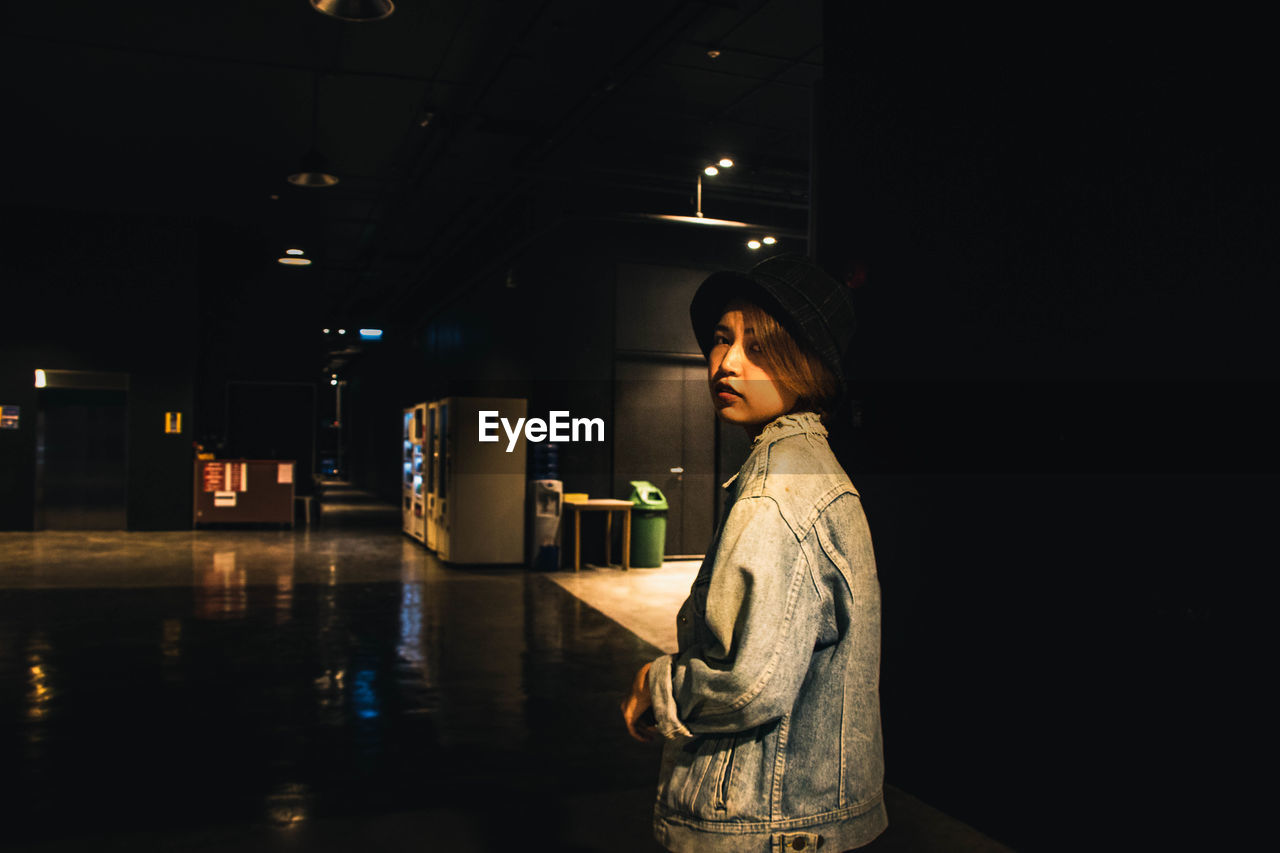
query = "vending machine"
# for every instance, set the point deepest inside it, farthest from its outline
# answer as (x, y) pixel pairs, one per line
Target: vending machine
(418, 525)
(481, 484)
(431, 451)
(406, 474)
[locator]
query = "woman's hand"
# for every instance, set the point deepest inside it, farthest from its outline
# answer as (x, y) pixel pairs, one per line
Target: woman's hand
(639, 701)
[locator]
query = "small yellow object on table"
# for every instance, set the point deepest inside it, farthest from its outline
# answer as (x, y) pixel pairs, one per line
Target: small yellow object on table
(602, 505)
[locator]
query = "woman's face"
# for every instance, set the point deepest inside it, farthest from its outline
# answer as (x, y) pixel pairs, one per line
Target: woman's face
(742, 389)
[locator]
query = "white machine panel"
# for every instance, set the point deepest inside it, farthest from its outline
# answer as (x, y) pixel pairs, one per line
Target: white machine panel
(481, 484)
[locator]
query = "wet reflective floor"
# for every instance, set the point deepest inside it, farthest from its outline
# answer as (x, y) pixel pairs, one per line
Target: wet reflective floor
(252, 683)
(316, 689)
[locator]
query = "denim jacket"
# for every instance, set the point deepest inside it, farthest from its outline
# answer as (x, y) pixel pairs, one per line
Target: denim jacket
(771, 708)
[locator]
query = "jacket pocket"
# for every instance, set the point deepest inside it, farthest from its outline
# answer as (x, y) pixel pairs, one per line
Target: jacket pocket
(725, 781)
(707, 771)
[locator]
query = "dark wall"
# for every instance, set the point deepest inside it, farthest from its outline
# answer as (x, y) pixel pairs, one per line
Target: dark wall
(1062, 448)
(160, 464)
(102, 292)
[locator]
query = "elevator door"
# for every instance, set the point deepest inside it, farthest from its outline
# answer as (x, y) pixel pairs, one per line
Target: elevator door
(665, 433)
(81, 460)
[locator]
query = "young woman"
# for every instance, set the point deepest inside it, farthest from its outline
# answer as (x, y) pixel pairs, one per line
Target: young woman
(770, 709)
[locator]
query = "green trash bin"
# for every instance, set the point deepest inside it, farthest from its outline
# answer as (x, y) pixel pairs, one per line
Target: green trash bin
(648, 525)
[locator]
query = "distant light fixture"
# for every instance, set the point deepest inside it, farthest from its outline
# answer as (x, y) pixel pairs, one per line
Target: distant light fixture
(753, 244)
(769, 241)
(333, 382)
(294, 252)
(342, 331)
(294, 262)
(312, 174)
(326, 331)
(314, 171)
(370, 334)
(356, 11)
(41, 381)
(710, 171)
(712, 53)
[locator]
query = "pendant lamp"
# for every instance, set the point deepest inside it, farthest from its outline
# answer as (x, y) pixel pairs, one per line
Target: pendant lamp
(356, 11)
(314, 171)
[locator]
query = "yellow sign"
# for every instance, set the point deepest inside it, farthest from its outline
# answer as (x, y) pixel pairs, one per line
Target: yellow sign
(172, 422)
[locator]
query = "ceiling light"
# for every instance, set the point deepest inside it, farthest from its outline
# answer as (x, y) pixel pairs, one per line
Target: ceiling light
(696, 220)
(710, 170)
(769, 241)
(356, 11)
(315, 169)
(753, 244)
(314, 172)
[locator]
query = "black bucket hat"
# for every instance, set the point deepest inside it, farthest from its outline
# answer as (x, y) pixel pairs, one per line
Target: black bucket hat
(815, 308)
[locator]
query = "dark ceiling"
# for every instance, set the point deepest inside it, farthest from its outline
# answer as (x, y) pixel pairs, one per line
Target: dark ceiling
(453, 126)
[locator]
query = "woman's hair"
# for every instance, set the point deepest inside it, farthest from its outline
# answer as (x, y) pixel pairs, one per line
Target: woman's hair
(795, 366)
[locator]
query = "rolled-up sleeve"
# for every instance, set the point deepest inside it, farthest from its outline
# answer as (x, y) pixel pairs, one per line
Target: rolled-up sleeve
(749, 658)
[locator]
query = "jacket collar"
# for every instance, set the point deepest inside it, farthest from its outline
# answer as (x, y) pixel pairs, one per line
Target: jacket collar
(793, 423)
